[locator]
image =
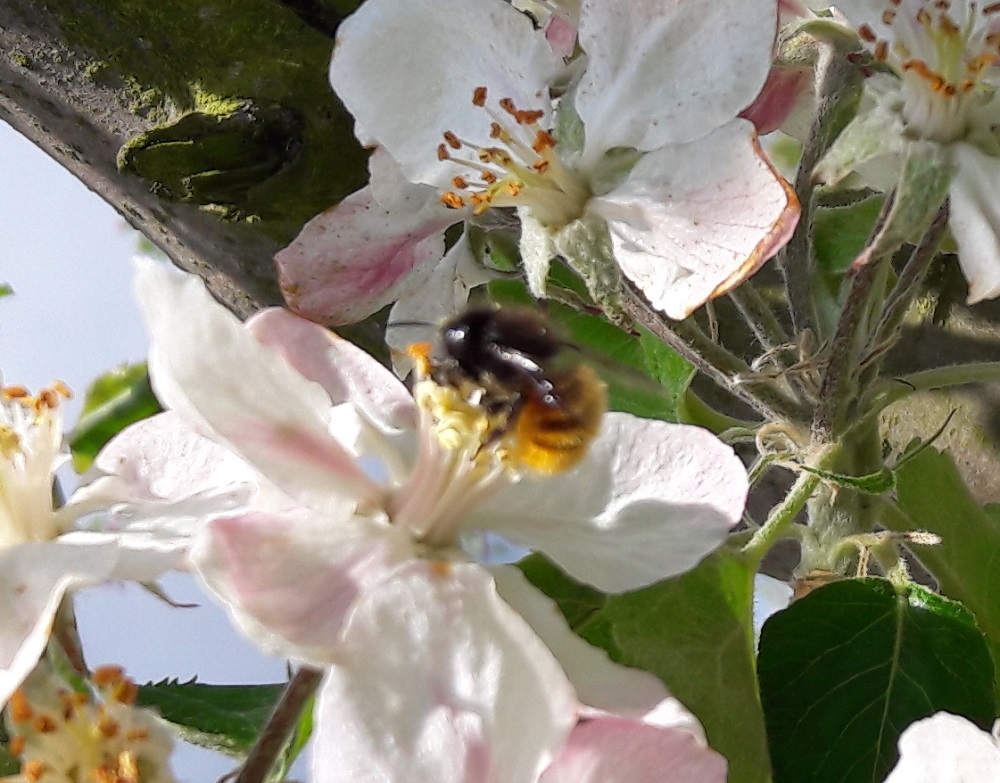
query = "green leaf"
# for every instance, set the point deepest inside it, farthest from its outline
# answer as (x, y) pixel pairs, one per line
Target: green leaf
(115, 400)
(695, 633)
(9, 765)
(934, 497)
(644, 376)
(844, 670)
(226, 718)
(839, 235)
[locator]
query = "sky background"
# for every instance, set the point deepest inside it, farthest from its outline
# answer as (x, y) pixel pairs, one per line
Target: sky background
(72, 317)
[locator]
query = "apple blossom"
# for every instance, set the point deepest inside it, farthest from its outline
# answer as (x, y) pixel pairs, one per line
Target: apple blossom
(67, 736)
(380, 488)
(480, 708)
(946, 748)
(938, 88)
(41, 556)
(642, 165)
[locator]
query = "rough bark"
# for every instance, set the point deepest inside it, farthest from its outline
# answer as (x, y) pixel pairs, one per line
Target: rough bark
(209, 126)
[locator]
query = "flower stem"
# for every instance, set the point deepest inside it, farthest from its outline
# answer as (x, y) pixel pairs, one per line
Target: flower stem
(838, 89)
(783, 514)
(264, 754)
(841, 375)
(725, 368)
(887, 330)
(758, 316)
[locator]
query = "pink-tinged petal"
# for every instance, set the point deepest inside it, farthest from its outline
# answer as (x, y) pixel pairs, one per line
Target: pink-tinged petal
(162, 475)
(670, 71)
(786, 90)
(346, 372)
(291, 580)
(599, 681)
(946, 749)
(693, 221)
(358, 256)
(616, 750)
(649, 501)
(975, 220)
(407, 72)
(201, 359)
(34, 577)
(439, 681)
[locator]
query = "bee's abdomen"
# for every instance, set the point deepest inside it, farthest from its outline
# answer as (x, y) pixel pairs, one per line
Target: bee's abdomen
(552, 437)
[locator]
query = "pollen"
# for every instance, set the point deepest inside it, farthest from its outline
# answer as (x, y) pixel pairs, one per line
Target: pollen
(519, 169)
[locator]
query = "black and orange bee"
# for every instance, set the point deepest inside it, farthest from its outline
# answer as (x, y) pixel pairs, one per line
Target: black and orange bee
(514, 363)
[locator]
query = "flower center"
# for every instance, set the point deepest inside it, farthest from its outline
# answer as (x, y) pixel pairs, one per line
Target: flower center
(64, 736)
(941, 51)
(465, 457)
(521, 170)
(30, 443)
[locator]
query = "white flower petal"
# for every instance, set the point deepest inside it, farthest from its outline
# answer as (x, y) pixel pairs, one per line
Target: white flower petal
(159, 474)
(200, 360)
(484, 700)
(946, 749)
(649, 501)
(694, 220)
(669, 71)
(599, 681)
(975, 220)
(291, 580)
(346, 372)
(407, 72)
(34, 578)
(422, 308)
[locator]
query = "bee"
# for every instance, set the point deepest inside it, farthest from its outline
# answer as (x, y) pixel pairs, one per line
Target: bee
(545, 402)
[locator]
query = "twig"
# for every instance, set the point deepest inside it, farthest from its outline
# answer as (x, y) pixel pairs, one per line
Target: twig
(272, 740)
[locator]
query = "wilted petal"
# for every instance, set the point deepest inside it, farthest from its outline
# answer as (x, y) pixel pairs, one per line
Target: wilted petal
(599, 681)
(649, 501)
(975, 220)
(669, 71)
(694, 220)
(200, 360)
(291, 580)
(946, 749)
(358, 256)
(616, 750)
(440, 52)
(484, 700)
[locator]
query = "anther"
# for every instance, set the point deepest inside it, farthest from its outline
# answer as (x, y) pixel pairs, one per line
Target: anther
(479, 97)
(452, 140)
(452, 200)
(867, 34)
